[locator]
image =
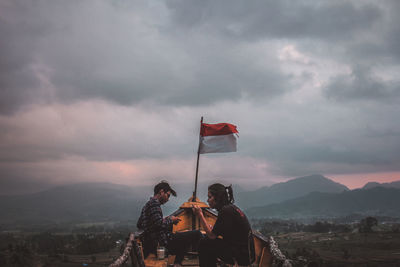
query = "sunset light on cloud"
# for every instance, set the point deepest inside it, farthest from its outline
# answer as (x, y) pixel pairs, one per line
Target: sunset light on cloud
(358, 180)
(113, 91)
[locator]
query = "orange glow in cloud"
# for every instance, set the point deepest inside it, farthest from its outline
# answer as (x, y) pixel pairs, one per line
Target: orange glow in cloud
(358, 180)
(123, 169)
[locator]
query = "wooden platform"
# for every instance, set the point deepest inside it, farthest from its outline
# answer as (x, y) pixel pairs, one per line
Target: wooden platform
(267, 253)
(190, 221)
(152, 261)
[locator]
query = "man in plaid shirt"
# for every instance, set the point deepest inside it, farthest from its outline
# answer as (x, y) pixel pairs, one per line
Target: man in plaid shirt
(157, 231)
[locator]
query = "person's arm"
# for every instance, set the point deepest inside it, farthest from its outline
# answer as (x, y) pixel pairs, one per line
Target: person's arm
(159, 221)
(174, 219)
(197, 210)
(156, 217)
(139, 223)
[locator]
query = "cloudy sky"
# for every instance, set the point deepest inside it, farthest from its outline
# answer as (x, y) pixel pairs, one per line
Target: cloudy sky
(98, 90)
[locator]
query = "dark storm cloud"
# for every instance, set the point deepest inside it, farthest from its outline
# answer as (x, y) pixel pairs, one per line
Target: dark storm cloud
(329, 137)
(328, 20)
(328, 152)
(373, 47)
(96, 131)
(362, 84)
(122, 54)
(384, 46)
(294, 158)
(128, 58)
(312, 86)
(214, 76)
(224, 77)
(18, 82)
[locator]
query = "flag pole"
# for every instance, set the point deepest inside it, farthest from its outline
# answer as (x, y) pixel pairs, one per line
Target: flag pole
(197, 164)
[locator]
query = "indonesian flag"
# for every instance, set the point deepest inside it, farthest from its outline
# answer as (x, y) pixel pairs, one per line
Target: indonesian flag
(217, 138)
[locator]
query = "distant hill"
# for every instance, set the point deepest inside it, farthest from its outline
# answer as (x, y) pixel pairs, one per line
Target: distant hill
(395, 184)
(94, 202)
(288, 190)
(375, 201)
(87, 202)
(75, 203)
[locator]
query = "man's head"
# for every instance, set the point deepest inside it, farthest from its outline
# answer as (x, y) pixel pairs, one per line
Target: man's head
(162, 191)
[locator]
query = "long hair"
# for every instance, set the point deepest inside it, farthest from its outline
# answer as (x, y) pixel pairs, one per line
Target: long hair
(223, 195)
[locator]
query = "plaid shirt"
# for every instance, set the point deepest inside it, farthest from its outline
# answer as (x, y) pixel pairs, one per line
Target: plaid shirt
(151, 221)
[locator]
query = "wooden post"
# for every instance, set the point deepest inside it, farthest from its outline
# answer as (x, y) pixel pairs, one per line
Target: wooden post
(197, 164)
(197, 174)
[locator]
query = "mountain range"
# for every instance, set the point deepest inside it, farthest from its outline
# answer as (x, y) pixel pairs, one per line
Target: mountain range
(395, 184)
(313, 195)
(289, 190)
(73, 203)
(377, 201)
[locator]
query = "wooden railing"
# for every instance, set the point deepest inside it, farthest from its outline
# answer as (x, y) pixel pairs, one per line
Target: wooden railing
(131, 250)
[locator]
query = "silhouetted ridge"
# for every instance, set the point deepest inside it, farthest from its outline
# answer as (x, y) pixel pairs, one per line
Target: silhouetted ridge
(375, 201)
(395, 184)
(289, 190)
(77, 202)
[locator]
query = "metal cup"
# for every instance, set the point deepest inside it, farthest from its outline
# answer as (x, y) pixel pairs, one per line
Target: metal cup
(160, 253)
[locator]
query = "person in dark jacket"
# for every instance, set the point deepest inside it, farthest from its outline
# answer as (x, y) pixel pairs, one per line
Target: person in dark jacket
(157, 230)
(230, 238)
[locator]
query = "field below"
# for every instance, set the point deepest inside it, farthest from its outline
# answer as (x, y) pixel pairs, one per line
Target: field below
(341, 249)
(95, 249)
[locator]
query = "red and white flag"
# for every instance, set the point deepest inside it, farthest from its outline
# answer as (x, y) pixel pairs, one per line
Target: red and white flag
(218, 138)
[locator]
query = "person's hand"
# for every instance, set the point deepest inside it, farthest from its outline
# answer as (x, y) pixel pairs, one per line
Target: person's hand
(175, 220)
(197, 210)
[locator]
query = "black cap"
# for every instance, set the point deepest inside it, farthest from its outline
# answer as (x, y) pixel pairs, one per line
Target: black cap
(164, 185)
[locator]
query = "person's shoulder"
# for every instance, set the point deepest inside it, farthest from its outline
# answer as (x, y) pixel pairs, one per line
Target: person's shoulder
(153, 202)
(238, 211)
(229, 208)
(233, 209)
